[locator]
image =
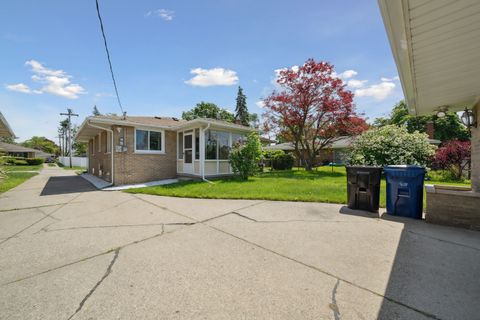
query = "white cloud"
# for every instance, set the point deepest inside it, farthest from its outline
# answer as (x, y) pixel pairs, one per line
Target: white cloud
(384, 79)
(348, 74)
(378, 91)
(165, 14)
(354, 83)
(260, 104)
(212, 77)
(56, 82)
(21, 87)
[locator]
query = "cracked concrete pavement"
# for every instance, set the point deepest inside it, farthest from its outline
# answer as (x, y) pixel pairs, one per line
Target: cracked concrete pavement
(68, 251)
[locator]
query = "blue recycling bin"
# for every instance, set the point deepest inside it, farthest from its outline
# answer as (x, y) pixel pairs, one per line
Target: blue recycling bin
(405, 190)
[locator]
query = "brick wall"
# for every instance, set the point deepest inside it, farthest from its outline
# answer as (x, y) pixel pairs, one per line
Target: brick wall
(476, 152)
(131, 167)
(453, 208)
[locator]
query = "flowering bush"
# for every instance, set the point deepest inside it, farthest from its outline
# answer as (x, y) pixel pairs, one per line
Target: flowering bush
(454, 156)
(391, 145)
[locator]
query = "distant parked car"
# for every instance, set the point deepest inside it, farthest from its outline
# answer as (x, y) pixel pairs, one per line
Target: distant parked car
(49, 160)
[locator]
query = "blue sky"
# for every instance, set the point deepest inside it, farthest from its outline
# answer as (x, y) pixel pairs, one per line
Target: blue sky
(168, 55)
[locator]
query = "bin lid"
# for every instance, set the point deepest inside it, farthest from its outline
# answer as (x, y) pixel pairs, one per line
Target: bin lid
(403, 167)
(404, 170)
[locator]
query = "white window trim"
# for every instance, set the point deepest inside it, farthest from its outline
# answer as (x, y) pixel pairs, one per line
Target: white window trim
(148, 151)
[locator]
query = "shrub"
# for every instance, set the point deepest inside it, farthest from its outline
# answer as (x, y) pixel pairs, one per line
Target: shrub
(35, 161)
(454, 156)
(20, 163)
(244, 158)
(282, 161)
(9, 160)
(391, 145)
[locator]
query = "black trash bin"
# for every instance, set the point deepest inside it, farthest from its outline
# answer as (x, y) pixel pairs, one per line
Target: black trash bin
(363, 187)
(405, 190)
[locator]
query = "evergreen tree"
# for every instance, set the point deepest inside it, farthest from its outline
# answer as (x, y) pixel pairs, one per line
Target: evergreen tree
(95, 111)
(241, 110)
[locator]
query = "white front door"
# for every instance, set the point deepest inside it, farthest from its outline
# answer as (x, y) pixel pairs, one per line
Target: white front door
(188, 153)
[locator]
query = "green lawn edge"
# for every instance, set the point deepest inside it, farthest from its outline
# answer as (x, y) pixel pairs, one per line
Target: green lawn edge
(322, 185)
(13, 179)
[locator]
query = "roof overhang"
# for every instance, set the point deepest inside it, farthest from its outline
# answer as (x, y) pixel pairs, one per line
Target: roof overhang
(214, 125)
(92, 126)
(436, 47)
(5, 129)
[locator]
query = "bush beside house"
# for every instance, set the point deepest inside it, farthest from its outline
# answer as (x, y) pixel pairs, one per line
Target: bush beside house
(244, 158)
(391, 145)
(279, 159)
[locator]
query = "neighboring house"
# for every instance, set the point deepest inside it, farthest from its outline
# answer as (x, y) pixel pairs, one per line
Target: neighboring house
(5, 129)
(141, 149)
(14, 150)
(336, 152)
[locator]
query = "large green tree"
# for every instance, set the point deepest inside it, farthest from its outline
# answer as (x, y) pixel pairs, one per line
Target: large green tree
(241, 111)
(41, 143)
(208, 110)
(446, 128)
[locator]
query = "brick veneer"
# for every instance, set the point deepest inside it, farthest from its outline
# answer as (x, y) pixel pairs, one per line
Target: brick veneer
(131, 167)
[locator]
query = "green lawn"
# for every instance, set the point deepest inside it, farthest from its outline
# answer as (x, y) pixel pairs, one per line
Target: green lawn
(321, 185)
(13, 179)
(24, 168)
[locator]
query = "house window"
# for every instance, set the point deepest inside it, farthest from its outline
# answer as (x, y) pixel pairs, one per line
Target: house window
(217, 145)
(237, 139)
(223, 145)
(146, 140)
(109, 142)
(211, 145)
(197, 144)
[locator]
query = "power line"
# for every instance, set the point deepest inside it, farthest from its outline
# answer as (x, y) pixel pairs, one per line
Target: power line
(108, 55)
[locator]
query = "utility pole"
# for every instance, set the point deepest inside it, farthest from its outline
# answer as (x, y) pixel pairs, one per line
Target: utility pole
(70, 114)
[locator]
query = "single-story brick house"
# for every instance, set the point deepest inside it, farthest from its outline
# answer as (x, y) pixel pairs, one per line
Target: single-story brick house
(142, 149)
(336, 152)
(15, 150)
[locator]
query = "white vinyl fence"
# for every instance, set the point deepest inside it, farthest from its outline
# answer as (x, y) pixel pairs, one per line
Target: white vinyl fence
(76, 161)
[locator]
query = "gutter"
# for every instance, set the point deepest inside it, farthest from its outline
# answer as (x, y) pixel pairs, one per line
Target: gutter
(111, 146)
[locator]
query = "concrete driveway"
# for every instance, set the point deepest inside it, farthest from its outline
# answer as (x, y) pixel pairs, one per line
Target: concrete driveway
(68, 251)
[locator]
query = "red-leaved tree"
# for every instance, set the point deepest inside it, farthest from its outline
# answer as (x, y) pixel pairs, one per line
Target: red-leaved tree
(453, 155)
(312, 110)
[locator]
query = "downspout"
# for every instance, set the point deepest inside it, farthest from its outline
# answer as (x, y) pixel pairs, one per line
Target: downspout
(203, 153)
(112, 170)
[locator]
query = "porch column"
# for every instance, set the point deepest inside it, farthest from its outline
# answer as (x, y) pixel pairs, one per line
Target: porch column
(475, 174)
(202, 151)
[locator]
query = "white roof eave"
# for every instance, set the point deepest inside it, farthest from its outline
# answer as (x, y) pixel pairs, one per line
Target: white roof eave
(396, 21)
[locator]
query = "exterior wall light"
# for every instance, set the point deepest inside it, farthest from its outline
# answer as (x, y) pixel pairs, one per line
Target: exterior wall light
(469, 119)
